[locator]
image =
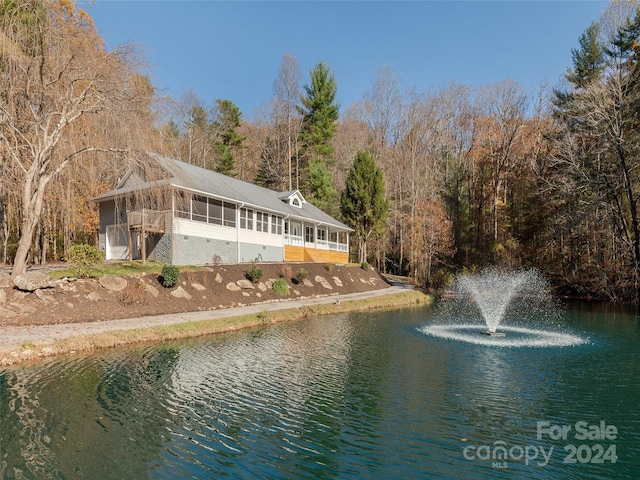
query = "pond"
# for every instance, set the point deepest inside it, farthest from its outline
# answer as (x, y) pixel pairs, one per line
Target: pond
(360, 395)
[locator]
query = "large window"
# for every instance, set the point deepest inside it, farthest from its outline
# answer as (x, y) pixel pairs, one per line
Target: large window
(199, 209)
(246, 218)
(215, 211)
(203, 209)
(322, 234)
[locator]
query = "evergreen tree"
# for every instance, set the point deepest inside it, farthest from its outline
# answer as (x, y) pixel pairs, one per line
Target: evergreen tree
(588, 60)
(227, 119)
(319, 112)
(363, 204)
(588, 65)
(323, 194)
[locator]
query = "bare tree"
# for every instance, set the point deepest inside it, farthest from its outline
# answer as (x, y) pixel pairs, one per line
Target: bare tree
(502, 107)
(62, 79)
(287, 92)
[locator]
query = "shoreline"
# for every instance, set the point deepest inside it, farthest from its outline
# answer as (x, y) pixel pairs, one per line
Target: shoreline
(28, 344)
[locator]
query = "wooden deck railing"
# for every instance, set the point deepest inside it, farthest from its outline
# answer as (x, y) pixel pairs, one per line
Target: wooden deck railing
(148, 220)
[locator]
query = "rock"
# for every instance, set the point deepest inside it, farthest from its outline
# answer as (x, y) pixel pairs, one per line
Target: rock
(94, 296)
(233, 287)
(246, 294)
(323, 281)
(46, 298)
(218, 278)
(151, 289)
(113, 283)
(307, 283)
(262, 287)
(198, 286)
(31, 281)
(245, 284)
(337, 281)
(181, 293)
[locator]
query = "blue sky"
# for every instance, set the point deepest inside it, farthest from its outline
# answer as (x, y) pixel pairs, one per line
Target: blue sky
(233, 50)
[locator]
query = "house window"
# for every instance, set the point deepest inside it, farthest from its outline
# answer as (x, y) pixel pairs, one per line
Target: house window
(246, 218)
(229, 214)
(276, 224)
(295, 202)
(215, 211)
(308, 234)
(199, 209)
(262, 222)
(322, 234)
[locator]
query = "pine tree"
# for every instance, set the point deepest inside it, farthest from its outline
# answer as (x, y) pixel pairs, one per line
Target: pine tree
(319, 112)
(323, 194)
(363, 204)
(227, 119)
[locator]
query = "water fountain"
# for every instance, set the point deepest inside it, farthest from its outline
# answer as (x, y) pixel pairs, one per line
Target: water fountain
(521, 296)
(492, 292)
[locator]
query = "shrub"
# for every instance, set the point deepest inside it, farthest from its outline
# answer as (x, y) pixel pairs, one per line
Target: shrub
(254, 273)
(441, 279)
(170, 275)
(301, 274)
(83, 259)
(281, 287)
(364, 265)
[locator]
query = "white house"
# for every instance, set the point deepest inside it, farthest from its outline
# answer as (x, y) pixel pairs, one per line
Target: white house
(189, 215)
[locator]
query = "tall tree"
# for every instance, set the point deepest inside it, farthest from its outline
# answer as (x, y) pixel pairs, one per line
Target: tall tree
(601, 147)
(62, 78)
(319, 116)
(363, 203)
(287, 92)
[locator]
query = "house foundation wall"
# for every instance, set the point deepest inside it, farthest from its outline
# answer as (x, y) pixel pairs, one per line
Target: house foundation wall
(192, 250)
(250, 252)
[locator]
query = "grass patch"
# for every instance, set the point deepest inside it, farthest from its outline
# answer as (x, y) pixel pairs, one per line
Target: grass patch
(122, 269)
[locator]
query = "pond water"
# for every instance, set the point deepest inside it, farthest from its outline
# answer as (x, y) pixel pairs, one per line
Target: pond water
(360, 395)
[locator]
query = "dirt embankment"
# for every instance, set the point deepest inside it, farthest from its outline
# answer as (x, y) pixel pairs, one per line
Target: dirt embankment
(213, 288)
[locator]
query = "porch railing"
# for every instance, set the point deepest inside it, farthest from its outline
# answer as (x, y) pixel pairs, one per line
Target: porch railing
(152, 220)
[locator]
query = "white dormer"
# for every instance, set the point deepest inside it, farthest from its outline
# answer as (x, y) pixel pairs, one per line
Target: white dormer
(293, 198)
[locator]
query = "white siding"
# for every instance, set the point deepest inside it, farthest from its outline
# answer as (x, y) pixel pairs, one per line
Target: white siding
(182, 226)
(260, 238)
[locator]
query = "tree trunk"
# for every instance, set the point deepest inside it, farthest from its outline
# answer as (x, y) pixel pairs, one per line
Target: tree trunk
(31, 210)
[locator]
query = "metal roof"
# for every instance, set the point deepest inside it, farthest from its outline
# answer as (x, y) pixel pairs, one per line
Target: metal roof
(207, 182)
